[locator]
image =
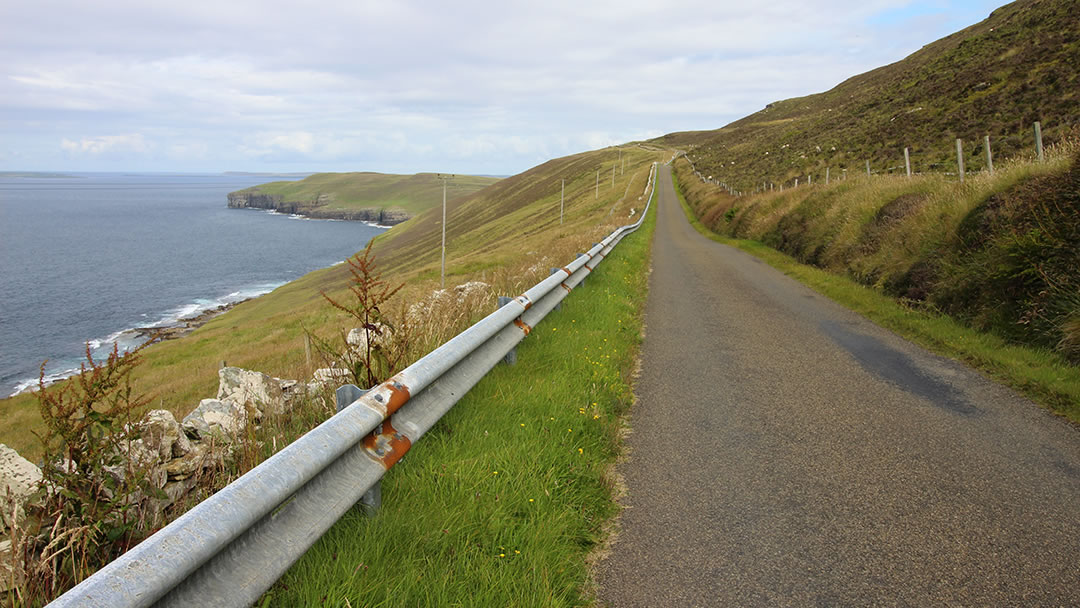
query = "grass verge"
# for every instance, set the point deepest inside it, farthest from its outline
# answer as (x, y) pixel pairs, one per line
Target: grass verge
(501, 502)
(1043, 376)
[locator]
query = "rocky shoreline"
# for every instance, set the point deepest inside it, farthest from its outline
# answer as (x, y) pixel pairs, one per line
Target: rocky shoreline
(315, 209)
(184, 326)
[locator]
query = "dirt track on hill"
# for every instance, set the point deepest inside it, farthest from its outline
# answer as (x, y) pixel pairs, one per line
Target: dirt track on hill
(787, 452)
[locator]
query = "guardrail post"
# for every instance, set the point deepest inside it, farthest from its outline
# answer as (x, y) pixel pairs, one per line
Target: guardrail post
(511, 357)
(372, 499)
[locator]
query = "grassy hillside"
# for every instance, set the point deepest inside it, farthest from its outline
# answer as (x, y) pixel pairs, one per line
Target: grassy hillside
(507, 235)
(994, 78)
(350, 191)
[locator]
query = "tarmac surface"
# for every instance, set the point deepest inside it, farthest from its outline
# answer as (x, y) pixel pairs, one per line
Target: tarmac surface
(785, 451)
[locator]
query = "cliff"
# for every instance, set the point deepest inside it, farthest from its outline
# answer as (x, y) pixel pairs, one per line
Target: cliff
(315, 208)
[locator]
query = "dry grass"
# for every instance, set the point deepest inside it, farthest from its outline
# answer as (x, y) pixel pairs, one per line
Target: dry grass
(507, 235)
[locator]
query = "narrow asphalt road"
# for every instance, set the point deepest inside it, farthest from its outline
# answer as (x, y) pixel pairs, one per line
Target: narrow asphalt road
(787, 452)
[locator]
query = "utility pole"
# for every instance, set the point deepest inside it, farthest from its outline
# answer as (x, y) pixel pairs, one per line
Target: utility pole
(445, 177)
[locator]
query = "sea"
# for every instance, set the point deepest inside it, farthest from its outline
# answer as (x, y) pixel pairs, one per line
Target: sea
(86, 258)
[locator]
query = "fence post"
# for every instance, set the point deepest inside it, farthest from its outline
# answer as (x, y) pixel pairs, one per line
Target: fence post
(562, 200)
(372, 499)
(989, 156)
(307, 349)
(796, 182)
(907, 161)
(809, 180)
(1038, 140)
(868, 168)
(960, 158)
(826, 176)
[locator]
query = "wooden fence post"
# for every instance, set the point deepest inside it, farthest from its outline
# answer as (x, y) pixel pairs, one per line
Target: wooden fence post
(989, 156)
(1038, 140)
(907, 161)
(826, 176)
(960, 158)
(868, 168)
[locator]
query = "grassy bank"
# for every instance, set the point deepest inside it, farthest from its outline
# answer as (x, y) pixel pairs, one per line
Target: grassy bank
(507, 236)
(502, 502)
(1043, 375)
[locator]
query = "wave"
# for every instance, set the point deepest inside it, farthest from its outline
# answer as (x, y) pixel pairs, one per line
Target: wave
(31, 384)
(130, 338)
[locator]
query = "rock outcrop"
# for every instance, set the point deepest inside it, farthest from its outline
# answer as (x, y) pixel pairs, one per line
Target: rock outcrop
(315, 208)
(17, 474)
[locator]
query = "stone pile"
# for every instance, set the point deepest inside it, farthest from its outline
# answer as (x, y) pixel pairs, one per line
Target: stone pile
(173, 455)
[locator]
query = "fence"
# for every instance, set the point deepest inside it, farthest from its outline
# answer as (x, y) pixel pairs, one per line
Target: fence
(907, 167)
(232, 547)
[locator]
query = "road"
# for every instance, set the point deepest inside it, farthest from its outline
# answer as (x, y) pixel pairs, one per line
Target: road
(787, 452)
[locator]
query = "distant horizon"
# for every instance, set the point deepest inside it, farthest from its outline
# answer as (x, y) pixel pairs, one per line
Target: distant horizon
(59, 173)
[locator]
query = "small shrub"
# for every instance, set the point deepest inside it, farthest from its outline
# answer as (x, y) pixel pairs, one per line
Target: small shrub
(87, 509)
(385, 346)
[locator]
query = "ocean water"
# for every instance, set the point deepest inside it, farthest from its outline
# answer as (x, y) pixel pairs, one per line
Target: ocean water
(87, 258)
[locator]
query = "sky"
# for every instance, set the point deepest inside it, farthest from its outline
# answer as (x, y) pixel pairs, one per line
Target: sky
(401, 86)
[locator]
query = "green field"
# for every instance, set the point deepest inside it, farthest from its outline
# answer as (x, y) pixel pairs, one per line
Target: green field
(350, 191)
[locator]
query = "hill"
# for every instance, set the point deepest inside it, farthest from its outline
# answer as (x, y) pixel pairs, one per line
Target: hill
(376, 197)
(994, 78)
(507, 235)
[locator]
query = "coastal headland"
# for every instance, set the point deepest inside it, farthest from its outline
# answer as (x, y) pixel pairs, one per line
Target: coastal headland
(377, 198)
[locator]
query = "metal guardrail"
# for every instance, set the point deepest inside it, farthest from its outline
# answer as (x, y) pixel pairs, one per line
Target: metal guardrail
(229, 549)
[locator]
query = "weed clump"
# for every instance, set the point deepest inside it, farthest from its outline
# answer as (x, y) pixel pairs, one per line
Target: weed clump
(379, 348)
(87, 510)
(1017, 267)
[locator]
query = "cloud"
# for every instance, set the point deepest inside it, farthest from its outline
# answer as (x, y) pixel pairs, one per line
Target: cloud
(95, 146)
(368, 84)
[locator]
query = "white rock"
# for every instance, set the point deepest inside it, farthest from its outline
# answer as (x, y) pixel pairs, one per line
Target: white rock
(216, 418)
(162, 434)
(330, 375)
(358, 338)
(17, 474)
(251, 389)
